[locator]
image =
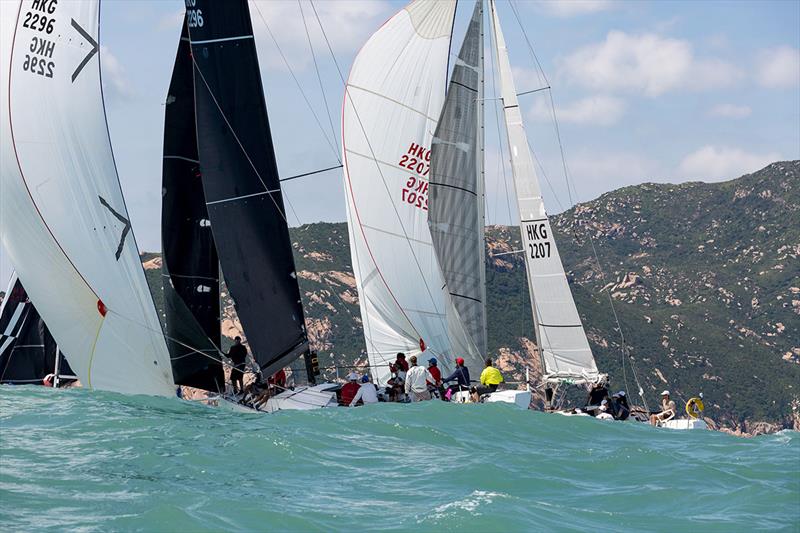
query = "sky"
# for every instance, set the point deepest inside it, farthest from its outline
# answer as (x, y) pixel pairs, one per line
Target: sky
(643, 91)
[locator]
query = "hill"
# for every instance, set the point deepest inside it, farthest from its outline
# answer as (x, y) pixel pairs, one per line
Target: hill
(703, 278)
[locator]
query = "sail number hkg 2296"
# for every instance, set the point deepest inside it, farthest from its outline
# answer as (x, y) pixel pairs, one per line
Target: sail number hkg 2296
(538, 244)
(194, 16)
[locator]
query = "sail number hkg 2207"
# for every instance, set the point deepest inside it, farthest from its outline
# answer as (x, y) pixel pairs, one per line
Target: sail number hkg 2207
(418, 160)
(538, 244)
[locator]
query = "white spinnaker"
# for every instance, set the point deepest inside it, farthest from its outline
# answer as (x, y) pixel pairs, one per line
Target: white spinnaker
(64, 221)
(562, 341)
(393, 99)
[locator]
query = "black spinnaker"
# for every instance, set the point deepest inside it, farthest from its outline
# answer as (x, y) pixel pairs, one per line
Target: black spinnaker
(241, 182)
(27, 349)
(190, 265)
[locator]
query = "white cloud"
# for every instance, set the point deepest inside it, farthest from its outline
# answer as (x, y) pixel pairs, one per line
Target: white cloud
(348, 24)
(571, 8)
(722, 162)
(646, 62)
(115, 81)
(730, 111)
(778, 68)
(171, 21)
(601, 110)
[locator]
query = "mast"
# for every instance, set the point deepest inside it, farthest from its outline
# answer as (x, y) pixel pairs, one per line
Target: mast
(190, 268)
(456, 197)
(64, 223)
(560, 337)
(241, 183)
(393, 99)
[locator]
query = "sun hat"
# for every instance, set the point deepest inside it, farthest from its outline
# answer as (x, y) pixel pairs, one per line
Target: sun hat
(665, 393)
(459, 360)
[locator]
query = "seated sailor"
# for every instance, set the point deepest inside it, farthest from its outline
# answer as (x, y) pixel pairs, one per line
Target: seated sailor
(490, 379)
(460, 375)
(667, 410)
(620, 406)
(367, 393)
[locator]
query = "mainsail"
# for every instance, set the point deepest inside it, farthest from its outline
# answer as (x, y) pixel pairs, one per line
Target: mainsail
(241, 183)
(190, 266)
(28, 352)
(392, 102)
(456, 194)
(64, 222)
(562, 342)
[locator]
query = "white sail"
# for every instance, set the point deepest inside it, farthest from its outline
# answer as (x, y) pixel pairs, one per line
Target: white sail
(64, 221)
(562, 342)
(393, 99)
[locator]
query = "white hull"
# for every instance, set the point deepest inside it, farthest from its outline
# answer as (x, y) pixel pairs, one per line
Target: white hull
(300, 399)
(519, 398)
(684, 423)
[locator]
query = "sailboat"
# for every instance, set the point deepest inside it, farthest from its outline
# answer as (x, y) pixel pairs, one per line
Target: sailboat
(223, 207)
(28, 352)
(64, 224)
(416, 198)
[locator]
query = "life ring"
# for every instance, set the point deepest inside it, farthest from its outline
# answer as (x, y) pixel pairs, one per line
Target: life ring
(694, 407)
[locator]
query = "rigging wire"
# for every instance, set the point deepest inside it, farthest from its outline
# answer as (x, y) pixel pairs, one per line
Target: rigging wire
(331, 144)
(570, 188)
(319, 79)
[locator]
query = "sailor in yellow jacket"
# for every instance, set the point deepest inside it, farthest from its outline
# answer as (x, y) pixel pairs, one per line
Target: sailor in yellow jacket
(490, 378)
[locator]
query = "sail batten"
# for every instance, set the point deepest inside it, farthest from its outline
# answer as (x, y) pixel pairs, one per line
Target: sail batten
(402, 295)
(561, 339)
(455, 215)
(241, 184)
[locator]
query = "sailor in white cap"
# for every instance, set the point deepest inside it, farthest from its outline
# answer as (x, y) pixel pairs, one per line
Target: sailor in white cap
(667, 409)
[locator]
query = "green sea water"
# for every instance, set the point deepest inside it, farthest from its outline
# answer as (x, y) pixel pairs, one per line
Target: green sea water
(92, 461)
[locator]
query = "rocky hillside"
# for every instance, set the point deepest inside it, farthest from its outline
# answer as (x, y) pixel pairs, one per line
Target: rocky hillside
(704, 278)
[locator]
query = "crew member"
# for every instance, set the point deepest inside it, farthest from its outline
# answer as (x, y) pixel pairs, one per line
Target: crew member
(367, 393)
(350, 389)
(278, 381)
(620, 406)
(490, 379)
(435, 386)
(460, 375)
(238, 355)
(667, 409)
(417, 380)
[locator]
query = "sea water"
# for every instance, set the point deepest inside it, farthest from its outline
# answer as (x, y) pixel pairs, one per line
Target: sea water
(93, 461)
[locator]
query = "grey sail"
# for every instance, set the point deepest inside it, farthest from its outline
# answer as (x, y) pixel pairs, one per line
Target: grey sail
(456, 190)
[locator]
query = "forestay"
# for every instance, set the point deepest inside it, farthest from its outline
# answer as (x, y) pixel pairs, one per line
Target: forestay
(64, 222)
(456, 194)
(563, 345)
(392, 102)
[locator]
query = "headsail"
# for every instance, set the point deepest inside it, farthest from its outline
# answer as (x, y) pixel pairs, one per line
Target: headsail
(27, 350)
(392, 102)
(562, 342)
(190, 267)
(64, 222)
(241, 182)
(456, 195)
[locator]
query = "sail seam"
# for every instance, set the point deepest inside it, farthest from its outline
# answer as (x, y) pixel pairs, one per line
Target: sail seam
(465, 296)
(453, 187)
(222, 39)
(401, 104)
(235, 198)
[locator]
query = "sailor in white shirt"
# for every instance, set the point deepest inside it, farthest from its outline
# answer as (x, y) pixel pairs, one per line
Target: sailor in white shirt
(367, 393)
(417, 380)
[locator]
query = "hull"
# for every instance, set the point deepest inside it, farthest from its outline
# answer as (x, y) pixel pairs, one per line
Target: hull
(684, 423)
(518, 398)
